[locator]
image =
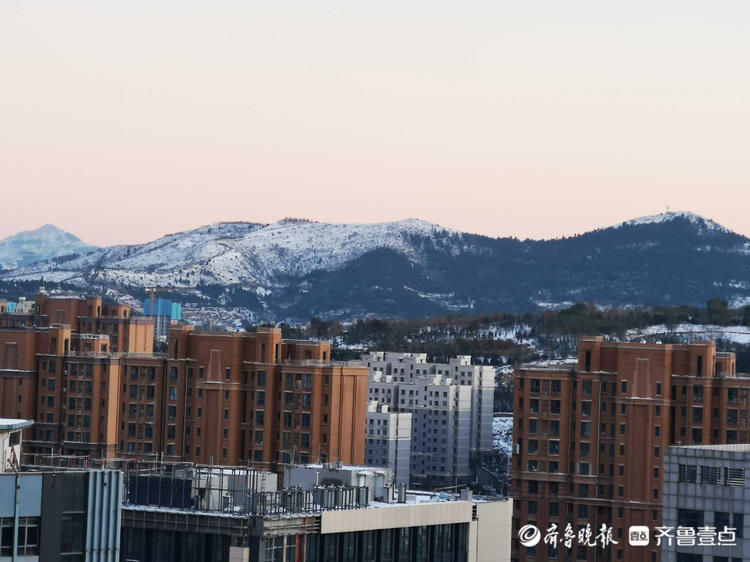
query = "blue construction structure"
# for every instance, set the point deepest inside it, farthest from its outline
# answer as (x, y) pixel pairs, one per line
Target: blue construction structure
(163, 307)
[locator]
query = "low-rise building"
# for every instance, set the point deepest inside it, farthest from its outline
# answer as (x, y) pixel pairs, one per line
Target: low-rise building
(52, 515)
(312, 523)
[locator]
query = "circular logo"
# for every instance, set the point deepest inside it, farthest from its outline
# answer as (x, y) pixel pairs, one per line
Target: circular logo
(529, 535)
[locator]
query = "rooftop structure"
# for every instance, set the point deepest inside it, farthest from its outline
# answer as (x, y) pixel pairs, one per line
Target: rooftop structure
(10, 443)
(313, 522)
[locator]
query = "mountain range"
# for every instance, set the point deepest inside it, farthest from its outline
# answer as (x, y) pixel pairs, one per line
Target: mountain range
(294, 269)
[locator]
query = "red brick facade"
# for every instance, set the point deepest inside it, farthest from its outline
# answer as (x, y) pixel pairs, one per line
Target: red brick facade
(221, 397)
(589, 440)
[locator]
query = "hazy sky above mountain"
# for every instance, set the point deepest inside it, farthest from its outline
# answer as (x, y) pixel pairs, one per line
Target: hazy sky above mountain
(123, 121)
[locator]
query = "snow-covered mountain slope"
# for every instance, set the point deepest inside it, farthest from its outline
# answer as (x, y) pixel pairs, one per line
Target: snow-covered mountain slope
(233, 254)
(294, 269)
(689, 332)
(669, 216)
(43, 243)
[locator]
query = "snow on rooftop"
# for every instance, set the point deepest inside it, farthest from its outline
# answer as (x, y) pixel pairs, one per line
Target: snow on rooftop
(9, 424)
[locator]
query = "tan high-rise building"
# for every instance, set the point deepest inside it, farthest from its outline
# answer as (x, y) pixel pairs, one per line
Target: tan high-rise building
(589, 438)
(214, 397)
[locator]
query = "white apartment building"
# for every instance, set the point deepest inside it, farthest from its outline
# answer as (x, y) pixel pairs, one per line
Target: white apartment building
(451, 406)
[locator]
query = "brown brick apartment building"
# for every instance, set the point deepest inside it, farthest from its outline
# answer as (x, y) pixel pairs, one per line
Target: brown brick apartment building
(589, 438)
(221, 397)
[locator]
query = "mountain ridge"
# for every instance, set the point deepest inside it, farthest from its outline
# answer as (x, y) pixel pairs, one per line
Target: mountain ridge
(296, 268)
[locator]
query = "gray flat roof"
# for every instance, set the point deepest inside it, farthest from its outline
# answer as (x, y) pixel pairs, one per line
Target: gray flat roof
(736, 447)
(9, 424)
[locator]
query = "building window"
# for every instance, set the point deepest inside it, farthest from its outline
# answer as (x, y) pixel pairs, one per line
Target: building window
(28, 536)
(697, 435)
(556, 387)
(735, 477)
(732, 417)
(697, 393)
(533, 426)
(687, 473)
(554, 427)
(738, 522)
(690, 518)
(586, 387)
(732, 394)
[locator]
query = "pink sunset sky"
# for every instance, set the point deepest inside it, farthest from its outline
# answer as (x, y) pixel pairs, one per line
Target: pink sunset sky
(120, 122)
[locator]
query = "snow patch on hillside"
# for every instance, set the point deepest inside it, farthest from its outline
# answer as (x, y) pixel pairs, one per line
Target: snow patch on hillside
(670, 216)
(689, 332)
(502, 434)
